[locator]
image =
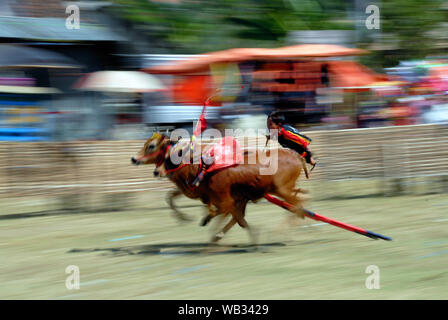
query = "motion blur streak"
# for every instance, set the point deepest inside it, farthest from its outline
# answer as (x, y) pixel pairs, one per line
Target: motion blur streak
(83, 85)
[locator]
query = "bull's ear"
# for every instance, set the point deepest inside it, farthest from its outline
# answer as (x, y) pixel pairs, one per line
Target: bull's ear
(165, 137)
(165, 140)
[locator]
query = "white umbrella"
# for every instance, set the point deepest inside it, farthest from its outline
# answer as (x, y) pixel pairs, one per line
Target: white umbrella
(120, 81)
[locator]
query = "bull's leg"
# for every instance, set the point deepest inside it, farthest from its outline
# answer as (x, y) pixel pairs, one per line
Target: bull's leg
(173, 194)
(219, 224)
(237, 208)
(300, 190)
(220, 203)
(243, 224)
(238, 215)
(290, 196)
(219, 235)
(212, 212)
(206, 220)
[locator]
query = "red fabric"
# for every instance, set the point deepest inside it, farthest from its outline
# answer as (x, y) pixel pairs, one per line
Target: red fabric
(192, 90)
(200, 126)
(226, 153)
(293, 137)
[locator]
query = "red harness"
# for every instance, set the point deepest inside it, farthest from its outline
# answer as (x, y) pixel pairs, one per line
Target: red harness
(164, 151)
(177, 168)
(171, 171)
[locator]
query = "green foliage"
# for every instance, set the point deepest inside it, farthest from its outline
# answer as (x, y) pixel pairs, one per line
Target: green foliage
(197, 26)
(408, 22)
(208, 25)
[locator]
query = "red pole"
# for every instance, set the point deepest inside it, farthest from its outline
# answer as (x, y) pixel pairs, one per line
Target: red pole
(333, 222)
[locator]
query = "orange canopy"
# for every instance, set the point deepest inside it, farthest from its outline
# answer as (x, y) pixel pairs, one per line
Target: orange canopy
(192, 90)
(349, 75)
(202, 62)
(345, 74)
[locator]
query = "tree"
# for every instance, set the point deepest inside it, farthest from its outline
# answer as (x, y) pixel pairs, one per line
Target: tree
(198, 26)
(406, 23)
(210, 25)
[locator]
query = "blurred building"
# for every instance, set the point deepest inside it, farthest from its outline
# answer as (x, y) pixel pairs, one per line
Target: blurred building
(93, 45)
(103, 42)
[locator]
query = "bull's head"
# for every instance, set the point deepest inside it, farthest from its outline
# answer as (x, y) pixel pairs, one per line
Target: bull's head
(153, 150)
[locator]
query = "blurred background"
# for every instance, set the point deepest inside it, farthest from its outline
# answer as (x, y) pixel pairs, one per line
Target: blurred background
(119, 70)
(78, 100)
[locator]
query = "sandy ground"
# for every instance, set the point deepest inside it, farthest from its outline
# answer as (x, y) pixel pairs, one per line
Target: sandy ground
(144, 253)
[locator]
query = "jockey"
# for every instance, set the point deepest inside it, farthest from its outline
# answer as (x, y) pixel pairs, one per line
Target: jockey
(289, 137)
(201, 125)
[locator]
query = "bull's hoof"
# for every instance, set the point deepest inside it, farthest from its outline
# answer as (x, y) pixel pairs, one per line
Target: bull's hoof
(205, 221)
(182, 217)
(217, 237)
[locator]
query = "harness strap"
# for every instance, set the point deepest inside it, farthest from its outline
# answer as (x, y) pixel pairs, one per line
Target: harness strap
(150, 155)
(177, 168)
(171, 171)
(158, 164)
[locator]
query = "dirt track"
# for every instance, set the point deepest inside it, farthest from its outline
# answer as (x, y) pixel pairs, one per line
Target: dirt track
(143, 253)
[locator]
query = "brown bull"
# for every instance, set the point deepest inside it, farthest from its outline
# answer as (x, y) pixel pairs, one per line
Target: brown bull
(154, 152)
(229, 190)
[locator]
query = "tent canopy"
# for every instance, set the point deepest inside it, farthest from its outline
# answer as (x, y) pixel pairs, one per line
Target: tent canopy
(352, 74)
(202, 62)
(197, 77)
(345, 75)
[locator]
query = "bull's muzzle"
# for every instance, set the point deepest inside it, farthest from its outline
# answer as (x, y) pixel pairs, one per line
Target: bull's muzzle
(135, 161)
